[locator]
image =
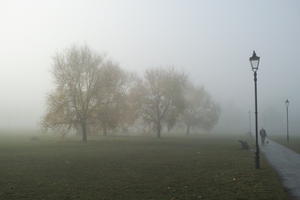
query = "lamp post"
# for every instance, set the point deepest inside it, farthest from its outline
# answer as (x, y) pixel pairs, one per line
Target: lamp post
(287, 103)
(254, 61)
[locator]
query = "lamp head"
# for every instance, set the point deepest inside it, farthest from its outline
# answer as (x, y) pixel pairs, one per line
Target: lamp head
(287, 102)
(254, 61)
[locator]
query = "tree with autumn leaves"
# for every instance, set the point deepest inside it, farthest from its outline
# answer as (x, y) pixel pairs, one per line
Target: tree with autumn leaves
(92, 94)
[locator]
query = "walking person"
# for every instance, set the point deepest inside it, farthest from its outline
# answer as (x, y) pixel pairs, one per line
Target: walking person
(263, 135)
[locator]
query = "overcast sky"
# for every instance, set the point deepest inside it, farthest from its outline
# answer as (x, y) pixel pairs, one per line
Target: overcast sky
(210, 40)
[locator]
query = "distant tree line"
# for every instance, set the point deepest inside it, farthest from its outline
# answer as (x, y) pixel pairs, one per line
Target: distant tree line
(93, 95)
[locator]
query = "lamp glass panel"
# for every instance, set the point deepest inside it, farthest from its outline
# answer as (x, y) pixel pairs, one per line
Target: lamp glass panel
(254, 64)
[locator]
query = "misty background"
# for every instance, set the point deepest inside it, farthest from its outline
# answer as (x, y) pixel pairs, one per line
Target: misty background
(210, 40)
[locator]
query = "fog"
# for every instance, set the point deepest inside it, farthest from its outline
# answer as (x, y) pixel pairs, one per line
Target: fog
(211, 41)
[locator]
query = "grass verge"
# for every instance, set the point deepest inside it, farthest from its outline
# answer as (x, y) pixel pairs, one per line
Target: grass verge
(134, 168)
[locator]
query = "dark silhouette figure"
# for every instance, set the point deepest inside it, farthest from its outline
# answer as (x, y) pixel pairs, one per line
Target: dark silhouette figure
(263, 135)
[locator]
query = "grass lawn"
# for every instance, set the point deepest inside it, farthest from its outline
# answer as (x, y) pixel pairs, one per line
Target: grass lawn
(294, 143)
(133, 168)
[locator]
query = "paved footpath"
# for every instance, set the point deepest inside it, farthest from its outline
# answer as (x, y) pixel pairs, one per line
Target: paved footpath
(287, 163)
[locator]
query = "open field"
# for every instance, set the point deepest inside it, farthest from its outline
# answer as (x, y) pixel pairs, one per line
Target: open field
(133, 168)
(294, 143)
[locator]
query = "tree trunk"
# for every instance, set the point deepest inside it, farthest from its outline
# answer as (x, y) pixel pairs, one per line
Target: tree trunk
(158, 129)
(84, 132)
(187, 129)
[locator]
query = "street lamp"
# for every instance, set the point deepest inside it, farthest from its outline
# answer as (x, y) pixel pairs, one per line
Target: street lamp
(287, 103)
(254, 61)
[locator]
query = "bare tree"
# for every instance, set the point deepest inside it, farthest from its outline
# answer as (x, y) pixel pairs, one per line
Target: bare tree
(72, 103)
(164, 93)
(133, 101)
(112, 89)
(200, 110)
